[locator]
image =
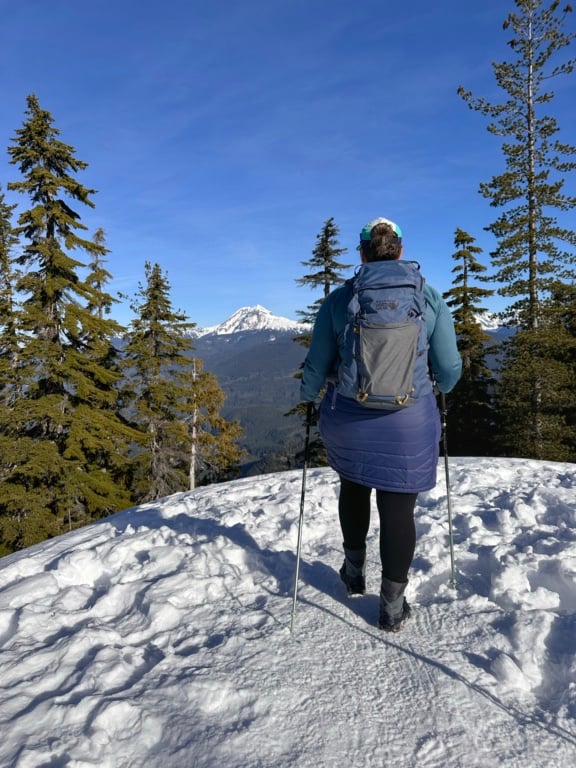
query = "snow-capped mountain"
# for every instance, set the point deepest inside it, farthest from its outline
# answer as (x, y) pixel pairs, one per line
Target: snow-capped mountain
(255, 359)
(255, 318)
(488, 321)
(258, 318)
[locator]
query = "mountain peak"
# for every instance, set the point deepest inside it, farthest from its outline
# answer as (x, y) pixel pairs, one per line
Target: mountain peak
(488, 321)
(256, 318)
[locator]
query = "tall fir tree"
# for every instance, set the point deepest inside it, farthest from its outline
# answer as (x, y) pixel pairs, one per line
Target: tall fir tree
(326, 274)
(98, 278)
(157, 365)
(470, 417)
(103, 333)
(168, 398)
(534, 253)
(58, 467)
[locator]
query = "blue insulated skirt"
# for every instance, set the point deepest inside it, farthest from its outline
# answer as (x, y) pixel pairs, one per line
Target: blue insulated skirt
(389, 450)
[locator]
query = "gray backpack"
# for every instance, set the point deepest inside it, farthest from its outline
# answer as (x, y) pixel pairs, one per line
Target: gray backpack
(384, 358)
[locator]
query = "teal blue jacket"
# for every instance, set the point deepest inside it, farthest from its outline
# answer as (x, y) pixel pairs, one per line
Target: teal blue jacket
(322, 359)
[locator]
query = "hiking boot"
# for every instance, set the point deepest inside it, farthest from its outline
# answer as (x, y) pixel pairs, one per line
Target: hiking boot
(394, 608)
(353, 571)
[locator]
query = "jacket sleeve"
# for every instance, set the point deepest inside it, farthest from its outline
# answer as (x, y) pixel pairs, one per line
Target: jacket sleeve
(444, 357)
(322, 354)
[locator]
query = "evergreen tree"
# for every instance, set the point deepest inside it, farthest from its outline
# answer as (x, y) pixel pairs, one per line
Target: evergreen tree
(553, 344)
(326, 272)
(173, 403)
(470, 413)
(102, 334)
(98, 278)
(100, 359)
(526, 352)
(57, 469)
(157, 368)
(534, 252)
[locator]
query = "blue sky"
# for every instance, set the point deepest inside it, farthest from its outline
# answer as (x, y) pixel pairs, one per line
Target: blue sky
(221, 135)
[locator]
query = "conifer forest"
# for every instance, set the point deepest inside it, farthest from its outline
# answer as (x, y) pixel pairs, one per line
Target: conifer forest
(96, 416)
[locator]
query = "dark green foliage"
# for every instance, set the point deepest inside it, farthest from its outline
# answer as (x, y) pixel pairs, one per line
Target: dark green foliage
(563, 315)
(99, 303)
(8, 242)
(62, 461)
(159, 374)
(470, 404)
(9, 388)
(552, 406)
(534, 253)
(80, 426)
(539, 421)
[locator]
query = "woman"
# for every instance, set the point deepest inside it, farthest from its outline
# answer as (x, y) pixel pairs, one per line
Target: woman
(392, 451)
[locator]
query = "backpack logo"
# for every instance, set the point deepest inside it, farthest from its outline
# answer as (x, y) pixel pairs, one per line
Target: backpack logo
(384, 357)
(385, 305)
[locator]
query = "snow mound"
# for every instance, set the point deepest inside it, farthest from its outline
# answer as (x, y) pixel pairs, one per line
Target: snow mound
(160, 637)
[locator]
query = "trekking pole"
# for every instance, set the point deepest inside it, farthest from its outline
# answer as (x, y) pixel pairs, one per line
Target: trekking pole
(301, 518)
(448, 499)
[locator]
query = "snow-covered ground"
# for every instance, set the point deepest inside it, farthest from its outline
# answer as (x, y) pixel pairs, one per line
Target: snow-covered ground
(160, 637)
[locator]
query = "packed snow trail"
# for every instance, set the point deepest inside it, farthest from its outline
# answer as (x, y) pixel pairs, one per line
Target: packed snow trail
(160, 637)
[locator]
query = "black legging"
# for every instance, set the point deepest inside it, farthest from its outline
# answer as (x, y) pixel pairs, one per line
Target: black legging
(397, 528)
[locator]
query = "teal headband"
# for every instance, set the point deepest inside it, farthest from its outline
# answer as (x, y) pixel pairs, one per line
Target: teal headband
(366, 231)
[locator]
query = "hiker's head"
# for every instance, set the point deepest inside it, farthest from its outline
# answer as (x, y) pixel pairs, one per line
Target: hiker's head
(380, 240)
